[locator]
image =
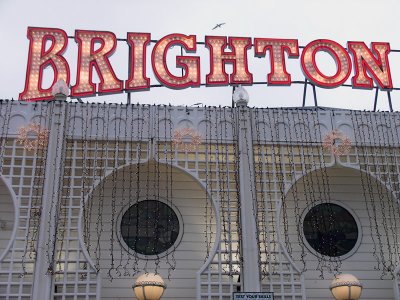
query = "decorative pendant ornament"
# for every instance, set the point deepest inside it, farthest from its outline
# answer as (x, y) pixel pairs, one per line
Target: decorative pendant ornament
(181, 135)
(26, 133)
(337, 143)
(60, 90)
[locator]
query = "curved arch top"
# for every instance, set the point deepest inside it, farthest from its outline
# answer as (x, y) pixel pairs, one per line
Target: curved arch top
(15, 216)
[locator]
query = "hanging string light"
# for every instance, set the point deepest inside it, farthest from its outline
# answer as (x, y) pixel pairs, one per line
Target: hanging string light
(157, 185)
(87, 208)
(103, 166)
(233, 190)
(294, 155)
(307, 164)
(35, 211)
(277, 150)
(263, 198)
(271, 174)
(130, 132)
(327, 222)
(89, 155)
(85, 128)
(171, 260)
(221, 179)
(114, 165)
(324, 186)
(379, 202)
(226, 186)
(123, 158)
(361, 140)
(381, 171)
(169, 159)
(65, 203)
(394, 209)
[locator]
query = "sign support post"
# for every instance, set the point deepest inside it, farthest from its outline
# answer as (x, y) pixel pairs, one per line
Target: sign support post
(250, 274)
(43, 277)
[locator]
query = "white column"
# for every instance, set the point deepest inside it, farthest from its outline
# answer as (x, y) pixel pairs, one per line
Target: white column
(250, 275)
(42, 282)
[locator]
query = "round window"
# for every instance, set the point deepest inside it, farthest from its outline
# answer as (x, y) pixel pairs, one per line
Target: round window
(150, 227)
(330, 229)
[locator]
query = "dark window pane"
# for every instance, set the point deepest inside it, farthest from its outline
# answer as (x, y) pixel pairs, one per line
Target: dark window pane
(150, 227)
(330, 229)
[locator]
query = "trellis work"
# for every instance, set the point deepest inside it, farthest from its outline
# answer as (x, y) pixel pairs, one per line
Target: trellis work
(242, 192)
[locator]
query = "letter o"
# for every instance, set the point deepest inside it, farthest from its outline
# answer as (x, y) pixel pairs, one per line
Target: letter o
(337, 52)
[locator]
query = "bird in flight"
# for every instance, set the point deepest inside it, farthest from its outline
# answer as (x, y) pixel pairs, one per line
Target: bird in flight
(218, 26)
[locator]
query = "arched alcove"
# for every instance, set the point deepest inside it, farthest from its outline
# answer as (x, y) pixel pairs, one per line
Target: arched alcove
(109, 204)
(356, 195)
(7, 217)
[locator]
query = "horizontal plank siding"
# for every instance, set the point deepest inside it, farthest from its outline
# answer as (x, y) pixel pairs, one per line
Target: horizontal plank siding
(346, 189)
(7, 217)
(182, 192)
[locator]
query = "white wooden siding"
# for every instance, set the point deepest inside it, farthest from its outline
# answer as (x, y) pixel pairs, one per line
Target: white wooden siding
(189, 198)
(7, 216)
(346, 188)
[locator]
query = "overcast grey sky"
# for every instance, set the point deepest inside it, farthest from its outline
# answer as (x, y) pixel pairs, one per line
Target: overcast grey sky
(340, 20)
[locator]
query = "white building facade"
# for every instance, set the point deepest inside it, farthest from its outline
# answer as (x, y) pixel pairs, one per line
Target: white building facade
(216, 200)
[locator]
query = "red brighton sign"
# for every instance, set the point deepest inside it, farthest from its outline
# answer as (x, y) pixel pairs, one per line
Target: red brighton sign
(96, 47)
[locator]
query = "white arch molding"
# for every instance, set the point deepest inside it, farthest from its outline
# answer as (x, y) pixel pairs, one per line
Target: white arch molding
(6, 182)
(213, 202)
(344, 167)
